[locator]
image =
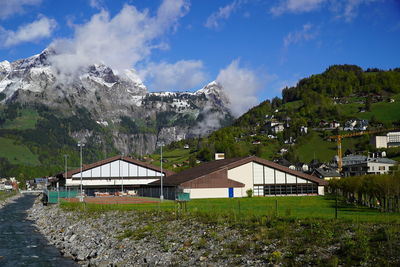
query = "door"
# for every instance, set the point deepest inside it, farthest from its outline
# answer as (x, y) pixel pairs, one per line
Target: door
(230, 191)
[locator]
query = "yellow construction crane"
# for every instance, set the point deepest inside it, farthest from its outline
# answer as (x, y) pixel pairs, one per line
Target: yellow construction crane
(339, 138)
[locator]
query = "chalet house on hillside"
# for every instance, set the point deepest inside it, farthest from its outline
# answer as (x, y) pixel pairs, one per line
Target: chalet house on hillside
(326, 173)
(356, 125)
(334, 124)
(275, 126)
(233, 177)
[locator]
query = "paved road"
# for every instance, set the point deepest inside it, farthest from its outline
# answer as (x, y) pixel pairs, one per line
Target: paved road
(20, 243)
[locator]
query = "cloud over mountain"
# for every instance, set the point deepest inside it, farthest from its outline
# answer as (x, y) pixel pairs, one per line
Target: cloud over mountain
(121, 41)
(241, 86)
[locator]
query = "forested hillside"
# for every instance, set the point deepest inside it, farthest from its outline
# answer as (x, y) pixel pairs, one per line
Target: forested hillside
(340, 94)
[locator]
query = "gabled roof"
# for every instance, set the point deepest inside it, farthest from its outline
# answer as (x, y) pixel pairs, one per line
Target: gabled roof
(218, 165)
(327, 172)
(115, 158)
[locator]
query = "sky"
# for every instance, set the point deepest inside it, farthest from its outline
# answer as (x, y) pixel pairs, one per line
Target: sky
(253, 48)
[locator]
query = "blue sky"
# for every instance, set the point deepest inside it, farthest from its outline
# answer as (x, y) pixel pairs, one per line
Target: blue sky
(255, 47)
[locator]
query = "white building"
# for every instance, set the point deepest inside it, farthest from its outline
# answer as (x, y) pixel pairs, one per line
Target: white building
(362, 165)
(233, 177)
(391, 139)
(112, 174)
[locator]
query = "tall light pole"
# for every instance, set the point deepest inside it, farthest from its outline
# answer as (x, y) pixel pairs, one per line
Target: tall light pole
(121, 175)
(162, 175)
(80, 144)
(66, 170)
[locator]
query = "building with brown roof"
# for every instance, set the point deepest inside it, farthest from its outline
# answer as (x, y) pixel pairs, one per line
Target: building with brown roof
(233, 177)
(112, 174)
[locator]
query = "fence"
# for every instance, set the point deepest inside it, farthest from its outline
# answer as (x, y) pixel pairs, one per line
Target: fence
(54, 196)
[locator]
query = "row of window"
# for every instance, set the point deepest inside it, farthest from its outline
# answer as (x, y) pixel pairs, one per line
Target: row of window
(298, 189)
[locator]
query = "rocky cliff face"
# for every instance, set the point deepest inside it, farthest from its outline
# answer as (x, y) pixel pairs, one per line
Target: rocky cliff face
(119, 103)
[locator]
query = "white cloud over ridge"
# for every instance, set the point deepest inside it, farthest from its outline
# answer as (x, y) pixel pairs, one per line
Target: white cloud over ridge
(37, 30)
(121, 41)
(11, 7)
(241, 86)
(182, 75)
(213, 21)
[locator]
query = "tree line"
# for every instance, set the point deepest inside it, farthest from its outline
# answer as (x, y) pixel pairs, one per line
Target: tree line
(375, 191)
(343, 81)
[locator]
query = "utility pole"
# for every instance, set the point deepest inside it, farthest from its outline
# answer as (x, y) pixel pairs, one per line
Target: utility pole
(121, 175)
(162, 174)
(80, 145)
(66, 170)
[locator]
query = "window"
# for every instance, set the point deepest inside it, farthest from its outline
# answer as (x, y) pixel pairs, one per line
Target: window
(290, 189)
(382, 168)
(258, 191)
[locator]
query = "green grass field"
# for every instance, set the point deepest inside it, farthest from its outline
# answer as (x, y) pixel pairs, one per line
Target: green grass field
(292, 207)
(16, 153)
(172, 156)
(385, 112)
(27, 120)
(4, 195)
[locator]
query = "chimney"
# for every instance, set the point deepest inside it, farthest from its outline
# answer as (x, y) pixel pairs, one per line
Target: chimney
(219, 156)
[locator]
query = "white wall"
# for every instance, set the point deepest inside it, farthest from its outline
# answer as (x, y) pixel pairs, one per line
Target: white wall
(118, 168)
(108, 182)
(269, 175)
(321, 190)
(243, 174)
(212, 192)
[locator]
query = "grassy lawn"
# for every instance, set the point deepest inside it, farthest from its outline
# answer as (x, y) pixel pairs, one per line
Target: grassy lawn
(4, 195)
(316, 147)
(242, 209)
(383, 111)
(17, 153)
(27, 120)
(319, 148)
(172, 156)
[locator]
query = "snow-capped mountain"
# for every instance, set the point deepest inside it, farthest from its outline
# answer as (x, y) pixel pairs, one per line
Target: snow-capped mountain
(111, 97)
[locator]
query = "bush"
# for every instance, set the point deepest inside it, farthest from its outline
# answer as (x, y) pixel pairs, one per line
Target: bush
(249, 193)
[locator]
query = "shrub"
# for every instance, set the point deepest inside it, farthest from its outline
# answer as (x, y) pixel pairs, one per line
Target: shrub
(249, 193)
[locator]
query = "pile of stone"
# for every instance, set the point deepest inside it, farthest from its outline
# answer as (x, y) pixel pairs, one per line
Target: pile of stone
(128, 238)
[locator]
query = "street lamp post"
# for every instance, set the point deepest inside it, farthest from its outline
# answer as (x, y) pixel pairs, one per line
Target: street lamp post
(80, 144)
(121, 175)
(66, 170)
(162, 175)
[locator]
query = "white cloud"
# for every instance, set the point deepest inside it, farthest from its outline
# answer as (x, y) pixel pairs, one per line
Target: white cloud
(241, 86)
(97, 4)
(349, 8)
(305, 34)
(346, 9)
(121, 41)
(296, 6)
(11, 7)
(181, 75)
(213, 21)
(39, 29)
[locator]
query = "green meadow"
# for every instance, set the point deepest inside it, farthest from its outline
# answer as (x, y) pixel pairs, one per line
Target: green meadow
(17, 153)
(242, 209)
(4, 195)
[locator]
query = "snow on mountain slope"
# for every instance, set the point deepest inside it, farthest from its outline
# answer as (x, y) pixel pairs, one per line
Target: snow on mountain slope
(109, 96)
